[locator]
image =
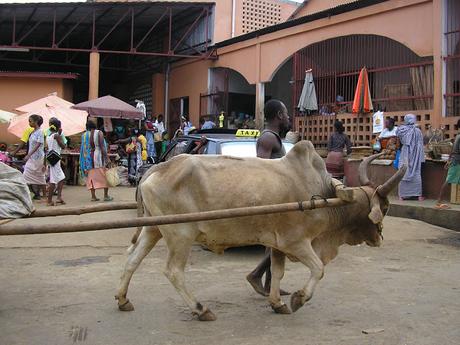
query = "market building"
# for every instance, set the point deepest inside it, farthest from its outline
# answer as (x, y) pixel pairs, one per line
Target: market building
(411, 49)
(181, 58)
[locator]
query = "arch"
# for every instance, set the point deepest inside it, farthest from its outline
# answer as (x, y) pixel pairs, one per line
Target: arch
(259, 58)
(374, 51)
(417, 36)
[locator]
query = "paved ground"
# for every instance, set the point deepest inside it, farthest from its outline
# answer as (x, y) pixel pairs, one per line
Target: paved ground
(58, 289)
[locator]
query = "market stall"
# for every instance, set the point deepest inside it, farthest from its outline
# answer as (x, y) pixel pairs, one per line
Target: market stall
(433, 175)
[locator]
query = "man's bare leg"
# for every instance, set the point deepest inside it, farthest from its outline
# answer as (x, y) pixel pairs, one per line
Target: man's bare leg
(255, 277)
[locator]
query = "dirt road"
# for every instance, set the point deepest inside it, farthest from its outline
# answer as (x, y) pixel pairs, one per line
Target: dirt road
(59, 289)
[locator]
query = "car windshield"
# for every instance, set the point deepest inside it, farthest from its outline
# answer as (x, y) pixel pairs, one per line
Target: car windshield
(244, 148)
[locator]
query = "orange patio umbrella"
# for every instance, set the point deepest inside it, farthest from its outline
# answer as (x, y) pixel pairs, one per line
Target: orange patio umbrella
(362, 103)
(73, 121)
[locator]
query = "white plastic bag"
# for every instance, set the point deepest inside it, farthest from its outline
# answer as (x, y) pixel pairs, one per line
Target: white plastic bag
(377, 122)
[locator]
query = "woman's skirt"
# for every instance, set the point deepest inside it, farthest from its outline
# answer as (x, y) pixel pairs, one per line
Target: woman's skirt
(410, 188)
(96, 179)
(334, 164)
(56, 173)
(453, 174)
(34, 172)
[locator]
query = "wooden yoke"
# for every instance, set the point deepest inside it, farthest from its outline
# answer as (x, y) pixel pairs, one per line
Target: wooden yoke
(346, 194)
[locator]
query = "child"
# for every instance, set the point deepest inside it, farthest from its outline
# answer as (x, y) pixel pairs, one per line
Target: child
(57, 177)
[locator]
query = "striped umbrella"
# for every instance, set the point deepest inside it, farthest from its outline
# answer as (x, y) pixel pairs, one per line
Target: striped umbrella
(362, 103)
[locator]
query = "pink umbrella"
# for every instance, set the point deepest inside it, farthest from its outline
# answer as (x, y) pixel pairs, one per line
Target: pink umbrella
(51, 100)
(73, 121)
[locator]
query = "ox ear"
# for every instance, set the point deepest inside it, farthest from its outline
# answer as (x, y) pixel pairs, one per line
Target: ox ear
(376, 215)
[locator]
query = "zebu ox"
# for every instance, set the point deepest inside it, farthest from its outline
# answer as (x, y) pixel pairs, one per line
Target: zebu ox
(200, 183)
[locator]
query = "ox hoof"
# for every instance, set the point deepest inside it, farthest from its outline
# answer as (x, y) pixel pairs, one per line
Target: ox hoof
(127, 306)
(207, 316)
(297, 300)
(282, 309)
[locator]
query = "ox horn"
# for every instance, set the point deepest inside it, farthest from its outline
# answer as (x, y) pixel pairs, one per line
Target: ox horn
(392, 182)
(363, 179)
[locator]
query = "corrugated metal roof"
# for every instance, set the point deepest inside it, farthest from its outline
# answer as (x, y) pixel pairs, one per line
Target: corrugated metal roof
(130, 3)
(302, 20)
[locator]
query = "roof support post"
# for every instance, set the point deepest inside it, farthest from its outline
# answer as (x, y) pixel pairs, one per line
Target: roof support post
(260, 91)
(260, 102)
(93, 35)
(93, 89)
(170, 31)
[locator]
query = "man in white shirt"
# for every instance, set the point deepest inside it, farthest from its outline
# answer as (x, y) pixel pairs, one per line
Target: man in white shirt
(159, 124)
(389, 130)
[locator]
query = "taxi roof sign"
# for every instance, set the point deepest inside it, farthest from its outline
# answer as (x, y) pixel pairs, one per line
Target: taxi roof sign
(252, 133)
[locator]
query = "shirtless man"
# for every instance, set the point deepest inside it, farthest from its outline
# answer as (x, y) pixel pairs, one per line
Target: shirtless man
(269, 146)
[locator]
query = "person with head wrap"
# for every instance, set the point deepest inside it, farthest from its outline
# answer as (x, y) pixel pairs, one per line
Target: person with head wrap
(412, 155)
(48, 131)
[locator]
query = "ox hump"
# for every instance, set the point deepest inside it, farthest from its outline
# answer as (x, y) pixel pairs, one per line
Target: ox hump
(301, 150)
(304, 153)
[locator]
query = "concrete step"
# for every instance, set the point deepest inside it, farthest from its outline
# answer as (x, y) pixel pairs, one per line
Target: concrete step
(426, 212)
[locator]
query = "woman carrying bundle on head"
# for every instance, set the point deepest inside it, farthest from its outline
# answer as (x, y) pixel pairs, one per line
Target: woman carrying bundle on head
(55, 143)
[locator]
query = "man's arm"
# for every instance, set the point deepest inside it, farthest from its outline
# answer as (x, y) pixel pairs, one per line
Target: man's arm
(329, 143)
(266, 144)
(348, 144)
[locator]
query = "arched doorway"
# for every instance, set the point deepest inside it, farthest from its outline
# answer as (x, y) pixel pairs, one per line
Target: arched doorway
(230, 93)
(400, 80)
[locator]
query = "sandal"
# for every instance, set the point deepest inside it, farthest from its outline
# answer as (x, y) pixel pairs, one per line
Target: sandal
(51, 204)
(95, 199)
(442, 207)
(62, 202)
(108, 198)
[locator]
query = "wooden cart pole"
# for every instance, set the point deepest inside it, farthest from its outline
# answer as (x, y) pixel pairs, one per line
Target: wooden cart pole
(75, 211)
(27, 229)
